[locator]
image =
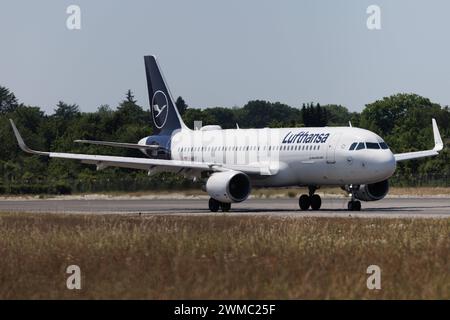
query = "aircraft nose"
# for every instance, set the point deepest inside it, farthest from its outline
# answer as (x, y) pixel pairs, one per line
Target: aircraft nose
(385, 164)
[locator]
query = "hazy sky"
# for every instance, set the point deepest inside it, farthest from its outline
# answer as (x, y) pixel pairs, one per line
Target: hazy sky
(224, 53)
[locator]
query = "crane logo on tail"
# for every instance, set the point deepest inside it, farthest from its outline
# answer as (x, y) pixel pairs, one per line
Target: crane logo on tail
(160, 109)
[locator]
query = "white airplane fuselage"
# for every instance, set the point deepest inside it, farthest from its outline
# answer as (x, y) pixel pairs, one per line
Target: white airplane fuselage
(294, 156)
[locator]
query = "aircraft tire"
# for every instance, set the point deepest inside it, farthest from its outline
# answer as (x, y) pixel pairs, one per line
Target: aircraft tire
(304, 202)
(316, 201)
(225, 206)
(354, 206)
(214, 205)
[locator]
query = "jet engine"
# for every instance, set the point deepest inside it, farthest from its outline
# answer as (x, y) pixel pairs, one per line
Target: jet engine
(373, 191)
(228, 186)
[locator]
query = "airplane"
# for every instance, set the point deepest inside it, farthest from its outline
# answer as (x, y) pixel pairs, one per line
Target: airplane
(232, 161)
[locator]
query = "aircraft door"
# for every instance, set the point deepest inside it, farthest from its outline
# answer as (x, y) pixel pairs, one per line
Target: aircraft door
(331, 147)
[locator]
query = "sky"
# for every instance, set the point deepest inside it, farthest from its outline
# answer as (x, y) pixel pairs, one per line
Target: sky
(225, 53)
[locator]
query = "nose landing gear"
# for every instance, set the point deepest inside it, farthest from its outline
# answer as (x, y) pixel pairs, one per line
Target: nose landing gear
(353, 205)
(312, 200)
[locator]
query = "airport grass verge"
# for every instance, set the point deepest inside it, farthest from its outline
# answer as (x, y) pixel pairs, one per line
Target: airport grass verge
(222, 257)
(258, 193)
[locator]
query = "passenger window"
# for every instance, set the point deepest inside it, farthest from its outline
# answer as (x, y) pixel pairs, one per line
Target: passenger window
(360, 146)
(353, 146)
(372, 145)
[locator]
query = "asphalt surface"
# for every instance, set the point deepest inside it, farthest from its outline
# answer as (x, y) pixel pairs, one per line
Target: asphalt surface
(333, 207)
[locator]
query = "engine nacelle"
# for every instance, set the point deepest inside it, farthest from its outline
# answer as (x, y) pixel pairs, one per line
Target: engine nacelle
(373, 191)
(228, 186)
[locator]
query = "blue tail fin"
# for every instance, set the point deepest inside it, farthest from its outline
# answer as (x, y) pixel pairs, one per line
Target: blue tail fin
(165, 115)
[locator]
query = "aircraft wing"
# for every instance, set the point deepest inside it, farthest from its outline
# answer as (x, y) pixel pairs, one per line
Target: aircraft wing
(103, 161)
(119, 144)
(438, 146)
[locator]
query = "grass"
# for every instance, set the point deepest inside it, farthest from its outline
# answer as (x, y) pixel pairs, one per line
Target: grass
(256, 192)
(222, 257)
(261, 193)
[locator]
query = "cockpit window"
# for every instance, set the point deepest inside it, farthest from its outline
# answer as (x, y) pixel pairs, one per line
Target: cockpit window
(360, 146)
(353, 146)
(372, 145)
(384, 145)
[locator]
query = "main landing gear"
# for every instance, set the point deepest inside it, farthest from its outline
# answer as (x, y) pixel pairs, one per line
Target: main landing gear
(215, 205)
(353, 205)
(312, 200)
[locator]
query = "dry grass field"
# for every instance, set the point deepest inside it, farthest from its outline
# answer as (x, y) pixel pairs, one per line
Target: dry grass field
(268, 193)
(221, 257)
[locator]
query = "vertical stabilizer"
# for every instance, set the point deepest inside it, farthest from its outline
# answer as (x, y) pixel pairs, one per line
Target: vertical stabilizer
(165, 115)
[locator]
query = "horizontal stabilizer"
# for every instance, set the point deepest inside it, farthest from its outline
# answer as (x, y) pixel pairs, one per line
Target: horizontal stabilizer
(119, 144)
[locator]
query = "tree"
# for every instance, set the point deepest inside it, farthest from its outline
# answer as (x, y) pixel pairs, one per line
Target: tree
(321, 118)
(130, 97)
(259, 114)
(8, 101)
(181, 105)
(128, 112)
(404, 122)
(305, 115)
(314, 116)
(337, 115)
(66, 111)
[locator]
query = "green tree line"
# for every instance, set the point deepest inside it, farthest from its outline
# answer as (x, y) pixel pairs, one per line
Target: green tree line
(403, 120)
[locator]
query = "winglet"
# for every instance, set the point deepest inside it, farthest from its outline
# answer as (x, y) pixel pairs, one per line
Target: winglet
(438, 144)
(22, 144)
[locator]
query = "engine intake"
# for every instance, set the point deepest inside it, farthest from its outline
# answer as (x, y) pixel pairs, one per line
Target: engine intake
(228, 186)
(373, 191)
